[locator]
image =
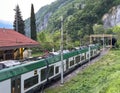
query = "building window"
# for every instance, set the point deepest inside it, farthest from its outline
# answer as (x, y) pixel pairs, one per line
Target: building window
(30, 82)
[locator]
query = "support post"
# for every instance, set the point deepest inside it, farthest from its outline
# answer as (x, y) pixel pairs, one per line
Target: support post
(90, 40)
(21, 53)
(103, 42)
(89, 53)
(61, 48)
(111, 41)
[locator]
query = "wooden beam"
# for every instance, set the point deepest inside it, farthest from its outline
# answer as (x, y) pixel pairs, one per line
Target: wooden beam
(21, 53)
(111, 41)
(90, 40)
(101, 35)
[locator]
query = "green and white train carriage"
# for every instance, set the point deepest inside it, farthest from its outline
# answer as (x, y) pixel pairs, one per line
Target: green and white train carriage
(25, 78)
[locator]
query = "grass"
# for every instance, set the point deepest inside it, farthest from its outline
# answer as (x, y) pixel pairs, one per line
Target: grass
(101, 77)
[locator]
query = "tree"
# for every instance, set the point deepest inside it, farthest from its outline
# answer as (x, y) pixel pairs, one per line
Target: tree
(42, 37)
(18, 22)
(116, 30)
(33, 24)
(98, 29)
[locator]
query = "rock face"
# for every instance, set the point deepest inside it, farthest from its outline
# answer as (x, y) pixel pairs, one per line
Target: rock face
(45, 22)
(112, 18)
(39, 26)
(44, 14)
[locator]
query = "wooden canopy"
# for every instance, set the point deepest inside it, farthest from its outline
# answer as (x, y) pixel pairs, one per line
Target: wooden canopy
(102, 36)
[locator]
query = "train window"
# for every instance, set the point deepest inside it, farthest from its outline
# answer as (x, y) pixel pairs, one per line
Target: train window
(85, 56)
(30, 82)
(88, 55)
(67, 64)
(91, 53)
(77, 59)
(95, 52)
(43, 74)
(71, 62)
(82, 57)
(56, 69)
(51, 71)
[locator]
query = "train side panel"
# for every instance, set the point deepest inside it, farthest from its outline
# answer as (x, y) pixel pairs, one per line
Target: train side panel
(30, 80)
(5, 86)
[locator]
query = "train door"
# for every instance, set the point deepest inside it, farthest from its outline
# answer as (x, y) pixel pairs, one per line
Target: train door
(16, 84)
(67, 64)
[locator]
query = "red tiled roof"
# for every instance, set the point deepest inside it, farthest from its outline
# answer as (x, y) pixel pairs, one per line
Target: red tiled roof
(10, 39)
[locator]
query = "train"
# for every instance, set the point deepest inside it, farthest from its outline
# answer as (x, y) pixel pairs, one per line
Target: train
(29, 75)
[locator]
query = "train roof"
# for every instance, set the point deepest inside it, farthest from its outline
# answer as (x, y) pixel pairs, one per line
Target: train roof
(9, 63)
(33, 65)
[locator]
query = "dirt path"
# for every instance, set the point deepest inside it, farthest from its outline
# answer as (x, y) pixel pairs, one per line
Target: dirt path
(75, 72)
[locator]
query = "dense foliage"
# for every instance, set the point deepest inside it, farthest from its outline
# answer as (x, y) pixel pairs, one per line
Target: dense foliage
(18, 22)
(100, 77)
(116, 30)
(33, 24)
(49, 41)
(81, 19)
(80, 16)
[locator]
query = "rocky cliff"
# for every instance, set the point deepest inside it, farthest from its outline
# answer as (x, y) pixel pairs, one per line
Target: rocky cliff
(112, 18)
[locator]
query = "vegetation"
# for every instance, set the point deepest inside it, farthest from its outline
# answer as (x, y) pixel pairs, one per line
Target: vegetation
(49, 41)
(81, 19)
(100, 77)
(116, 30)
(33, 24)
(79, 16)
(18, 22)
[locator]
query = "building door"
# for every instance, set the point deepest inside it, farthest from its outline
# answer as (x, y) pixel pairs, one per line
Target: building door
(16, 85)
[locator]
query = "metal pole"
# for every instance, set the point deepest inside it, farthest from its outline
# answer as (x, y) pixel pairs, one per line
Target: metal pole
(89, 53)
(66, 40)
(61, 46)
(103, 42)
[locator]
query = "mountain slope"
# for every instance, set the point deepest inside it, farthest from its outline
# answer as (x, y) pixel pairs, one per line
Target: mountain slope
(44, 14)
(79, 16)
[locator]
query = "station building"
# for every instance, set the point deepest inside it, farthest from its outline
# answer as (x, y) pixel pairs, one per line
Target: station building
(13, 44)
